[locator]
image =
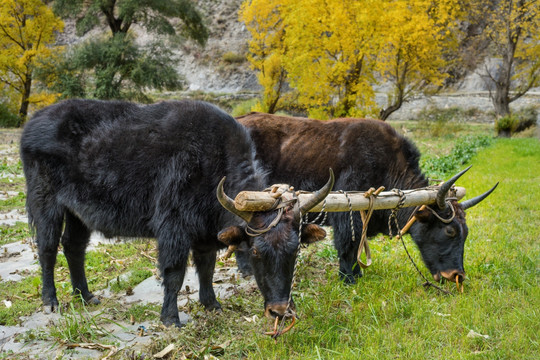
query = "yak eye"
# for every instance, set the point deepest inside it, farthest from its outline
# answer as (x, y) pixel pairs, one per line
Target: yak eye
(450, 231)
(255, 252)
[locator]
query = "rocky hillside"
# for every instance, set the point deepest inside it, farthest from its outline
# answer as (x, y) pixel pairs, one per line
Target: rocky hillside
(221, 66)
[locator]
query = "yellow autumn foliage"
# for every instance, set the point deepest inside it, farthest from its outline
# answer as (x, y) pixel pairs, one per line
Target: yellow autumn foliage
(27, 30)
(333, 52)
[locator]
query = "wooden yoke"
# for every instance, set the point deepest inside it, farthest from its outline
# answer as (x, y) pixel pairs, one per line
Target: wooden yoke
(337, 202)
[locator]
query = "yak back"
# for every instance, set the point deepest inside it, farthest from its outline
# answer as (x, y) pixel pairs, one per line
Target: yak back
(127, 169)
(363, 153)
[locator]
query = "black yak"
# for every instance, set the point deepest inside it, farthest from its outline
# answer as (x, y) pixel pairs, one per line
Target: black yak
(152, 171)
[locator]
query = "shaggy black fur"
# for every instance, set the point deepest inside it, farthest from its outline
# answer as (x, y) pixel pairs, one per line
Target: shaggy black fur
(141, 171)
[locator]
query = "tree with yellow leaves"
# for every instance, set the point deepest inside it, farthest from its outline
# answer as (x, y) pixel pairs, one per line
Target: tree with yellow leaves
(264, 22)
(27, 29)
(333, 52)
(416, 35)
(330, 51)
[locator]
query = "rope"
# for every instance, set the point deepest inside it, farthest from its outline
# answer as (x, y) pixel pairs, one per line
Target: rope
(279, 326)
(427, 283)
(280, 206)
(256, 232)
(393, 213)
(446, 221)
(306, 216)
(366, 216)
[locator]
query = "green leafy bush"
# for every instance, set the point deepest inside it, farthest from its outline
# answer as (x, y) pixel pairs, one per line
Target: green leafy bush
(463, 151)
(506, 125)
(7, 118)
(527, 117)
(516, 122)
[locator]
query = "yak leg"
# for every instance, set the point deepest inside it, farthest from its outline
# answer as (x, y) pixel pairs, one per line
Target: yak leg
(347, 249)
(205, 262)
(74, 240)
(173, 256)
(48, 225)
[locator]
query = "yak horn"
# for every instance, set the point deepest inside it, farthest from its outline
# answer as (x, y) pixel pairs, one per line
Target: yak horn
(441, 195)
(471, 202)
(228, 203)
(319, 195)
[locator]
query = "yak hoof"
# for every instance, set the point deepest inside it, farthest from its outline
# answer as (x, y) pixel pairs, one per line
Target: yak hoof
(216, 306)
(49, 308)
(169, 322)
(93, 300)
(349, 279)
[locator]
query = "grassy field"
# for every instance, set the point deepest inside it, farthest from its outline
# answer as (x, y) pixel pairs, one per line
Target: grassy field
(388, 314)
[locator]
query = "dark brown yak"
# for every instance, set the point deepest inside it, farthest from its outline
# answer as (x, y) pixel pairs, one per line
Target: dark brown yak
(363, 154)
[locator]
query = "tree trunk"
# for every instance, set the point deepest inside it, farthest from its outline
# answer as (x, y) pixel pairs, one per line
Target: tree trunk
(385, 113)
(501, 102)
(272, 106)
(25, 96)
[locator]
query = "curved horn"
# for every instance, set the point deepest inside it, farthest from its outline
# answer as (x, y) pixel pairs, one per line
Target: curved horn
(441, 195)
(319, 195)
(471, 202)
(228, 203)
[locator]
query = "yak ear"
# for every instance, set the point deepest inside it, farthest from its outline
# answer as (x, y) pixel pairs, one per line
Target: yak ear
(312, 233)
(422, 215)
(231, 236)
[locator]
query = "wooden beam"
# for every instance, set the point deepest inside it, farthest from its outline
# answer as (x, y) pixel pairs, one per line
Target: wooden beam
(336, 201)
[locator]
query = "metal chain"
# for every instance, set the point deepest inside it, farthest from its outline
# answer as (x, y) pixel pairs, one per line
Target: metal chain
(393, 213)
(350, 214)
(427, 282)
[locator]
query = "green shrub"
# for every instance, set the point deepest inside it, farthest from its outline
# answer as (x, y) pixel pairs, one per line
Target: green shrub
(7, 118)
(527, 117)
(244, 107)
(233, 58)
(506, 125)
(518, 121)
(463, 151)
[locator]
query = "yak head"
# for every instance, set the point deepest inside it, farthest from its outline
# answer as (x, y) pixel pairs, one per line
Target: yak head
(440, 233)
(273, 240)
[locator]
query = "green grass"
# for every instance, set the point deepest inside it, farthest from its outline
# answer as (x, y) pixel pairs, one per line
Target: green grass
(13, 233)
(13, 202)
(387, 315)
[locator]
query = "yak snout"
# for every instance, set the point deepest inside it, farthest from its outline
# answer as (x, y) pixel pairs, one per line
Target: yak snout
(450, 275)
(279, 310)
